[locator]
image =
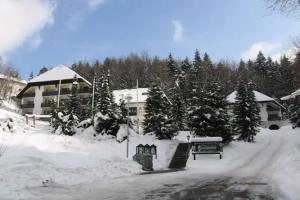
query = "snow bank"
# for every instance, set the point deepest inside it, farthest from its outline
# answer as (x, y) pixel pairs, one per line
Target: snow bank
(165, 149)
(286, 169)
(234, 155)
(33, 156)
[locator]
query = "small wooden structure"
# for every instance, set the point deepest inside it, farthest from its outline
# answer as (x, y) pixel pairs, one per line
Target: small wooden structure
(27, 116)
(144, 156)
(207, 145)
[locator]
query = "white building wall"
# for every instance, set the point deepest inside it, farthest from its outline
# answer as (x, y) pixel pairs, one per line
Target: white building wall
(263, 112)
(38, 99)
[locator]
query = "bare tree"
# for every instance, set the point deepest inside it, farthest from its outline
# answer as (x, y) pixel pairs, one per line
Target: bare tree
(296, 43)
(288, 7)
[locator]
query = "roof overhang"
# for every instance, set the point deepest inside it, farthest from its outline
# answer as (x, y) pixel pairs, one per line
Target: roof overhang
(19, 96)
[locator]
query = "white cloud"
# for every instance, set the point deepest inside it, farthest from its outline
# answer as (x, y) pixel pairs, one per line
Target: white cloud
(178, 31)
(274, 50)
(265, 47)
(20, 20)
(93, 4)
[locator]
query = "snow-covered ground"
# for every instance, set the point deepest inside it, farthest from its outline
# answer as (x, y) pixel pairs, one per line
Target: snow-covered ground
(32, 157)
(38, 165)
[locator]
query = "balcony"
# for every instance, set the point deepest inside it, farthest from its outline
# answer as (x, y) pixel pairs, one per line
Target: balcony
(65, 91)
(269, 108)
(84, 90)
(27, 105)
(274, 118)
(32, 94)
(50, 93)
(46, 105)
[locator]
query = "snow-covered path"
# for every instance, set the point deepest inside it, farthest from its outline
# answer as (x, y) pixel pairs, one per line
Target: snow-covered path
(252, 178)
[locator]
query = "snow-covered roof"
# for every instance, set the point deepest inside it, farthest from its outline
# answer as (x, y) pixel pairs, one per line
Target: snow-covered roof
(59, 72)
(2, 76)
(137, 95)
(291, 96)
(207, 139)
(260, 97)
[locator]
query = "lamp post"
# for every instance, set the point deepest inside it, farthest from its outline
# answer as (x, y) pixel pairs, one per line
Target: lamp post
(188, 138)
(128, 98)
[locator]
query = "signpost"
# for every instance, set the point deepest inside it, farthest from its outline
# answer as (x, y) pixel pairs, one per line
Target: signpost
(207, 145)
(144, 156)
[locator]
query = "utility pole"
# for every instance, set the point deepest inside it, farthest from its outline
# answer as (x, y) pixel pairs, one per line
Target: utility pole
(128, 98)
(137, 107)
(58, 96)
(93, 97)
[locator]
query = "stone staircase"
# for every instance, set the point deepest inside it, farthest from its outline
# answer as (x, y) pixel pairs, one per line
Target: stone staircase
(181, 156)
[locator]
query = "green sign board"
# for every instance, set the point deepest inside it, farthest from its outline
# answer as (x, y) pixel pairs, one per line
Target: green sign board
(207, 148)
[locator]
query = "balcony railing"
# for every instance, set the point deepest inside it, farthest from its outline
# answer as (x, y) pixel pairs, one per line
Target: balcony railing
(274, 118)
(65, 91)
(27, 105)
(84, 90)
(273, 108)
(46, 105)
(50, 93)
(32, 94)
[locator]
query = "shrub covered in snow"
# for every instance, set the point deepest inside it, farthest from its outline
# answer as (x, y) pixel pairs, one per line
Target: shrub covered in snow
(106, 124)
(7, 125)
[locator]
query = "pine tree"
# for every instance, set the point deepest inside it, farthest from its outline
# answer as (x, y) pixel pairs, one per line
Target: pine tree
(123, 112)
(197, 61)
(178, 109)
(260, 64)
(157, 117)
(246, 113)
(195, 111)
(171, 65)
(208, 67)
(186, 66)
(294, 112)
(74, 105)
(287, 77)
(220, 118)
(106, 120)
(208, 114)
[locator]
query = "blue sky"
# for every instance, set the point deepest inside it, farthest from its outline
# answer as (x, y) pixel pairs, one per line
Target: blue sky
(51, 32)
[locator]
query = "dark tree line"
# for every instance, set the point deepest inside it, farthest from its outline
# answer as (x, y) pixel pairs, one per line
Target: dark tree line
(274, 78)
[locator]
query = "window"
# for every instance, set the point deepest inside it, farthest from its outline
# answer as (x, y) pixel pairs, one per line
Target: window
(132, 111)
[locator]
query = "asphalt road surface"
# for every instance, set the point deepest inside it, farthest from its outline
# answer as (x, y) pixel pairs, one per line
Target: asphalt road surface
(249, 181)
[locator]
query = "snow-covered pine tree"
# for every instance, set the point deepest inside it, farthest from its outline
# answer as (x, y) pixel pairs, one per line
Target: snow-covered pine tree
(123, 112)
(208, 67)
(186, 66)
(74, 105)
(294, 112)
(197, 61)
(178, 109)
(195, 112)
(106, 120)
(220, 118)
(208, 114)
(172, 67)
(157, 117)
(246, 112)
